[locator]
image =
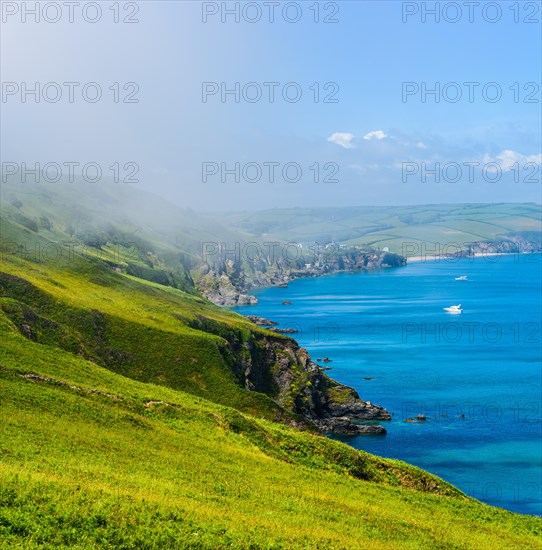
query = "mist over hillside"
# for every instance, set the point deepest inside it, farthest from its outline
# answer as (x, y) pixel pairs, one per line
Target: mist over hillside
(227, 255)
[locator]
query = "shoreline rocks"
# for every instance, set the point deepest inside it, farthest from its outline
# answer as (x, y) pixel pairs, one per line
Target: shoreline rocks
(270, 325)
(261, 321)
(228, 283)
(344, 426)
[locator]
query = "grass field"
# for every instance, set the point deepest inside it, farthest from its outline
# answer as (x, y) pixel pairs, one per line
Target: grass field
(396, 227)
(91, 459)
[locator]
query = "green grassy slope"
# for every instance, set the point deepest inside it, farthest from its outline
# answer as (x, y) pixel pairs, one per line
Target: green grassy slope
(137, 328)
(155, 333)
(93, 459)
(143, 234)
(159, 446)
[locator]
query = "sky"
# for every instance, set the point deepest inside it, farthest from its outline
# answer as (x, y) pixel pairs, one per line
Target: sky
(374, 103)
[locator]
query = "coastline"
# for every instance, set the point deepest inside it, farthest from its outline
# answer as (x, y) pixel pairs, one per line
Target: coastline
(218, 286)
(437, 426)
(412, 259)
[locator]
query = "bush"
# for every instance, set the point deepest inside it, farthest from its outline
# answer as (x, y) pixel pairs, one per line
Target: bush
(26, 222)
(92, 238)
(45, 222)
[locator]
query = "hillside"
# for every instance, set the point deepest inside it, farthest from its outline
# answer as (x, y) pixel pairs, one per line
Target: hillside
(159, 334)
(137, 414)
(124, 426)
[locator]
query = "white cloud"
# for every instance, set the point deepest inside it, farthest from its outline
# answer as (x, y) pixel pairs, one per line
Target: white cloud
(376, 134)
(421, 145)
(344, 139)
(507, 159)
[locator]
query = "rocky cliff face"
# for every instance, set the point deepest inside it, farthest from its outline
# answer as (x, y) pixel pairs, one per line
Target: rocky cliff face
(279, 367)
(221, 290)
(229, 282)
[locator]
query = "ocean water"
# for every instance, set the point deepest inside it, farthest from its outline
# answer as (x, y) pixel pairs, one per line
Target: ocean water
(476, 376)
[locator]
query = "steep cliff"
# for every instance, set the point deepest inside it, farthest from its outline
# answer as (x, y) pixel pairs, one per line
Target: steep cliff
(278, 367)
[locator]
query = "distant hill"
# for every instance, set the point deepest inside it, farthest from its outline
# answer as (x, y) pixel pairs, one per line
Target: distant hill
(225, 256)
(400, 228)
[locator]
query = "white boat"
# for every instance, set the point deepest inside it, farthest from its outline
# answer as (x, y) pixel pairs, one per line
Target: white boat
(462, 278)
(453, 309)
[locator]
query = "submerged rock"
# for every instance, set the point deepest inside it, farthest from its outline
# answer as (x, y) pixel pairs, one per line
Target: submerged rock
(419, 418)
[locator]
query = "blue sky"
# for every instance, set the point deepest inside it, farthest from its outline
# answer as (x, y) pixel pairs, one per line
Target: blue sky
(368, 134)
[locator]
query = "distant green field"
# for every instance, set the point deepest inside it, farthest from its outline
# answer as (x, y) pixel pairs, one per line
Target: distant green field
(394, 227)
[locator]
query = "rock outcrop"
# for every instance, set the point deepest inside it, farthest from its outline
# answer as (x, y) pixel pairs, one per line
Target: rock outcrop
(261, 321)
(301, 386)
(344, 426)
(277, 366)
(220, 290)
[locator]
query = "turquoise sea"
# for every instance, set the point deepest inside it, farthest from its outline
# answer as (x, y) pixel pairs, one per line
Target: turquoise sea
(476, 376)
